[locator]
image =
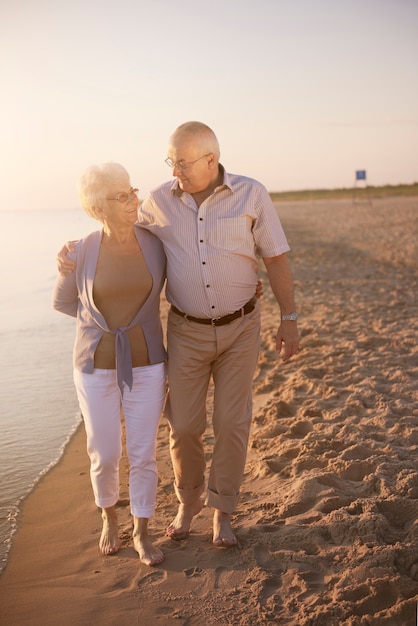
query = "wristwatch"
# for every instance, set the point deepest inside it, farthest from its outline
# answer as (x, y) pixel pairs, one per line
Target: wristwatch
(291, 317)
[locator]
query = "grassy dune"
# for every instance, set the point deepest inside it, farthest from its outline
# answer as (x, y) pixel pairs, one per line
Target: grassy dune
(346, 193)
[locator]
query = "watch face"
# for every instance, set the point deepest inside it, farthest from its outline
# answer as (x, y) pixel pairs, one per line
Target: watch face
(291, 317)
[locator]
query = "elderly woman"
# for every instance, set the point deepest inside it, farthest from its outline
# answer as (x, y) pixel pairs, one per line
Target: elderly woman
(119, 356)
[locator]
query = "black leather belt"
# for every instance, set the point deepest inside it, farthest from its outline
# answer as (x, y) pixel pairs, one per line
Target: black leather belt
(219, 321)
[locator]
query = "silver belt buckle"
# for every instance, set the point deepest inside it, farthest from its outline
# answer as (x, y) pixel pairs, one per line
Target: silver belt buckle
(214, 320)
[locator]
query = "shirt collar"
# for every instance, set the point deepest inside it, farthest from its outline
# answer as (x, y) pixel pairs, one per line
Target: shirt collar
(176, 189)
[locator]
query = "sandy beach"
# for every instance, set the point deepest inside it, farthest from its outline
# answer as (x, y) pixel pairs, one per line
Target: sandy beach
(327, 523)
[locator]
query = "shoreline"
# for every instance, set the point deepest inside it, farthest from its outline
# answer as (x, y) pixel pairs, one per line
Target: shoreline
(14, 512)
(327, 525)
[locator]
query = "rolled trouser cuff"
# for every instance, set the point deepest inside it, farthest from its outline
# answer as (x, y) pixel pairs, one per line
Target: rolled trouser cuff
(188, 496)
(226, 504)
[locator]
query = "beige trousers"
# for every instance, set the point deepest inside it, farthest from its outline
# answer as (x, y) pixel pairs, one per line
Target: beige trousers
(229, 354)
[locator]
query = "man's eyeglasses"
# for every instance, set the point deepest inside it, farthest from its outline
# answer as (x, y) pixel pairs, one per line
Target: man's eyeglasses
(123, 196)
(182, 165)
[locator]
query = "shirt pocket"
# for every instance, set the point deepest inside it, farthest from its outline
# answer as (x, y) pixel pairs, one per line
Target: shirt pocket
(234, 233)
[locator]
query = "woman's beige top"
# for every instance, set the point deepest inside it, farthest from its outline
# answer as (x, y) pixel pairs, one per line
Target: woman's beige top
(121, 285)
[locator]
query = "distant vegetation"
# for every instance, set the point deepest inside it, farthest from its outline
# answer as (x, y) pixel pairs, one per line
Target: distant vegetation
(346, 193)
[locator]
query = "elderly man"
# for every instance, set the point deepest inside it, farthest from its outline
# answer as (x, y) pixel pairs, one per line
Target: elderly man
(213, 224)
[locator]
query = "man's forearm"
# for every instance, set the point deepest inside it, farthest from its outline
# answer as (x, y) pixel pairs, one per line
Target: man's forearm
(281, 281)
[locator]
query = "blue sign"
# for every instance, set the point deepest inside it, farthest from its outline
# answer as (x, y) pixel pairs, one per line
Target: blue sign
(361, 175)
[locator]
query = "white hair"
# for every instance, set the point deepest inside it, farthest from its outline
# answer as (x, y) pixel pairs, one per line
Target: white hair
(94, 184)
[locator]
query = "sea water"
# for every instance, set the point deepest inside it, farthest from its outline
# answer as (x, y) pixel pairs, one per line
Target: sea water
(38, 405)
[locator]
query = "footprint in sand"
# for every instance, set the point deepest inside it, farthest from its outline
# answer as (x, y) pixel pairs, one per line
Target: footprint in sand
(357, 471)
(265, 560)
(192, 571)
(301, 428)
(399, 513)
(155, 577)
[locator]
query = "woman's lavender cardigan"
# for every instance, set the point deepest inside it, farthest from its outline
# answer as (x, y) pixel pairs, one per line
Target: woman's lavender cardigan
(73, 295)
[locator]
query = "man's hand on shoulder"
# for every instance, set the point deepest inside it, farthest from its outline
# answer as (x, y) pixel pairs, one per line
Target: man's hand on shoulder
(64, 264)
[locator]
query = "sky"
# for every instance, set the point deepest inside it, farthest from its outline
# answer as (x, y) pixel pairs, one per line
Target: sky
(300, 93)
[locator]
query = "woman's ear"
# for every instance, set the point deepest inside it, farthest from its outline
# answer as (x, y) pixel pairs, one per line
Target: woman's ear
(100, 213)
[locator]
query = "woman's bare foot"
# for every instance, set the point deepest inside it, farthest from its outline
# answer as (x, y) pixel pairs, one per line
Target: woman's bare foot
(148, 553)
(223, 535)
(180, 526)
(109, 540)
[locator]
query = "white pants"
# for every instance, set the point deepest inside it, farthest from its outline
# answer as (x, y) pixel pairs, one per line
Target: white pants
(100, 403)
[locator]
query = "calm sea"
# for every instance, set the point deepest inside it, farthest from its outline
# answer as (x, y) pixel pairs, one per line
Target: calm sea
(38, 406)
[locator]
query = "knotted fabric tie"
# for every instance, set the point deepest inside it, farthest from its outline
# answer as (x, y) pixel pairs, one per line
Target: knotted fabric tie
(123, 359)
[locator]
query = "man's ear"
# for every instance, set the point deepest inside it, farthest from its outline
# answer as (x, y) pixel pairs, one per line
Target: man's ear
(211, 161)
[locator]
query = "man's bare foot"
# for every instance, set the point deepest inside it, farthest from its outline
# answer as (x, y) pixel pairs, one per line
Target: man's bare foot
(180, 526)
(223, 535)
(109, 540)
